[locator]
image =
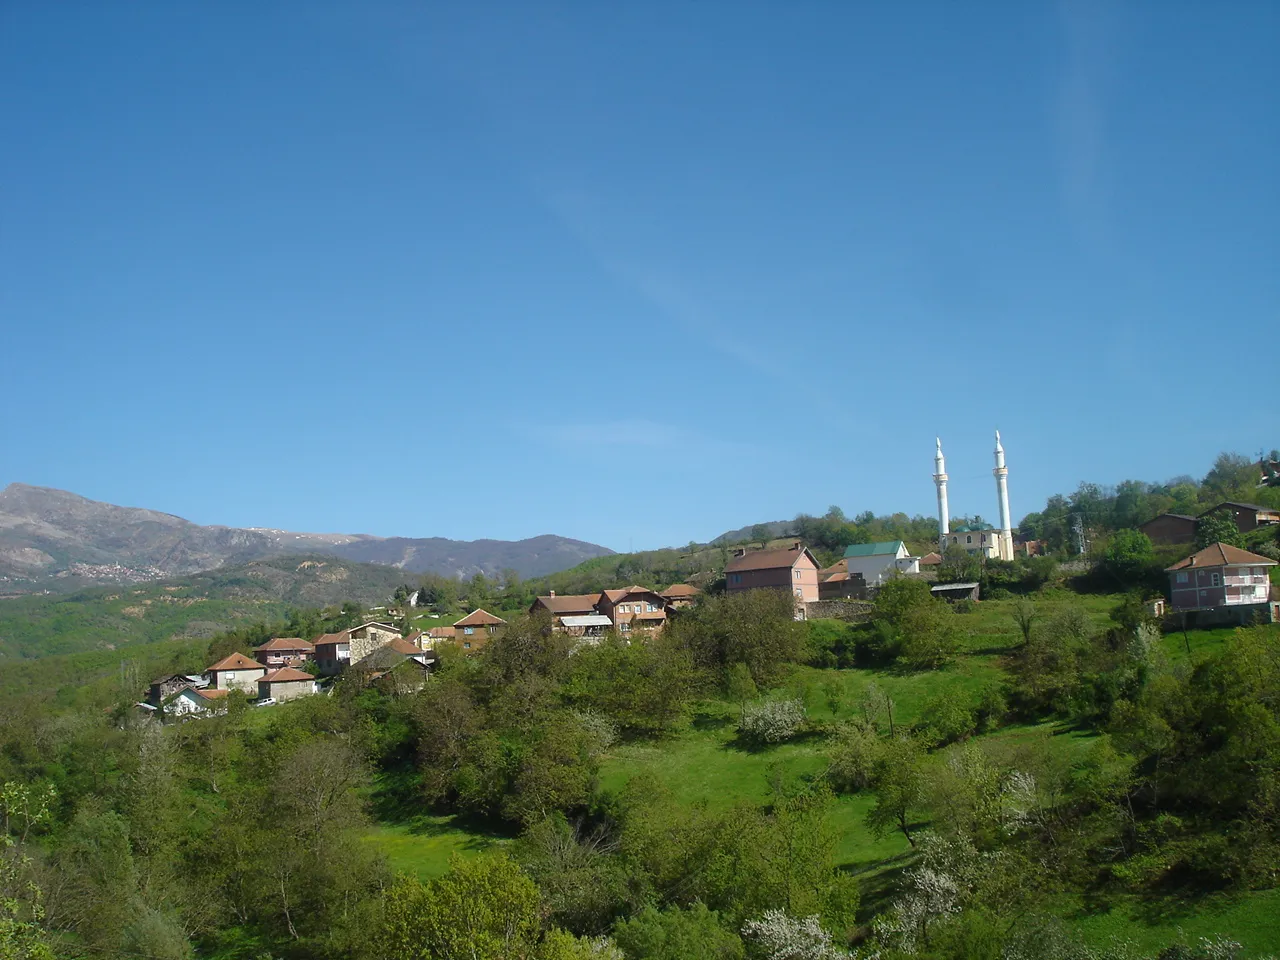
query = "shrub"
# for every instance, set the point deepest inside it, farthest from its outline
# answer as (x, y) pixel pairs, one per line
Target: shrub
(947, 718)
(771, 721)
(928, 635)
(853, 757)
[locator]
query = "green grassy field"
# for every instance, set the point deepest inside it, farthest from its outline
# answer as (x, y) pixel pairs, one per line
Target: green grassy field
(705, 764)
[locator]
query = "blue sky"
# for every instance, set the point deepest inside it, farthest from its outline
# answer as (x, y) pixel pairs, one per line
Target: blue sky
(633, 273)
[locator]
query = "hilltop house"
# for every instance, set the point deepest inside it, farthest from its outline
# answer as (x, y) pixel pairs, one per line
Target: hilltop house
(793, 569)
(287, 683)
(1248, 516)
(236, 672)
(473, 630)
(1222, 583)
(284, 652)
(633, 608)
(877, 562)
(332, 652)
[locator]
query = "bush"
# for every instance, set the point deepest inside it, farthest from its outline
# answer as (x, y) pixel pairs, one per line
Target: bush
(853, 757)
(947, 718)
(928, 636)
(771, 721)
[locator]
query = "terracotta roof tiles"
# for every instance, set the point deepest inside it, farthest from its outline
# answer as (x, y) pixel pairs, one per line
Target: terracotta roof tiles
(237, 661)
(1221, 555)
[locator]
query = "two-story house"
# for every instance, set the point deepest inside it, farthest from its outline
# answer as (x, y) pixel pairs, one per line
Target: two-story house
(633, 608)
(284, 652)
(1248, 516)
(332, 652)
(680, 595)
(474, 630)
(1222, 583)
(287, 683)
(565, 605)
(793, 569)
(236, 672)
(368, 637)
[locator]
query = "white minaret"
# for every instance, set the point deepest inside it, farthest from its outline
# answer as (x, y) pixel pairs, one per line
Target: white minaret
(940, 478)
(1002, 492)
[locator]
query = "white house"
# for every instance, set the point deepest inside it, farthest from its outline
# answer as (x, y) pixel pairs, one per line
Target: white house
(236, 672)
(878, 562)
(193, 702)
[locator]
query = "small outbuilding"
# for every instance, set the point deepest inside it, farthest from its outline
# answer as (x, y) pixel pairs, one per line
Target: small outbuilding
(287, 683)
(952, 592)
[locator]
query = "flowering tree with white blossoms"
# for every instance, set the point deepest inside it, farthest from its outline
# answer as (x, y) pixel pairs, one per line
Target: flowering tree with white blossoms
(772, 721)
(777, 936)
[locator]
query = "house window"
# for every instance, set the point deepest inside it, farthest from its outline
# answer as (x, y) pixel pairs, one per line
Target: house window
(467, 631)
(968, 539)
(735, 578)
(1215, 579)
(797, 574)
(799, 592)
(1182, 577)
(624, 627)
(466, 646)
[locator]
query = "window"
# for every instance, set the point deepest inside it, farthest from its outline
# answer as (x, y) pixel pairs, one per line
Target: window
(1215, 579)
(799, 592)
(1182, 577)
(467, 631)
(624, 627)
(735, 578)
(797, 574)
(466, 646)
(968, 539)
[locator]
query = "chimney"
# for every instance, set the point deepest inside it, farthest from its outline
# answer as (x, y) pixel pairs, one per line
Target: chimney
(740, 551)
(798, 545)
(553, 593)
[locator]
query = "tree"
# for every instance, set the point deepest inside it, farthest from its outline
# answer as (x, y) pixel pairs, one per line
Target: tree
(693, 933)
(1218, 527)
(771, 721)
(739, 686)
(929, 636)
(485, 908)
(900, 595)
(760, 534)
(898, 781)
(1128, 556)
(21, 937)
(778, 936)
(959, 566)
(1025, 615)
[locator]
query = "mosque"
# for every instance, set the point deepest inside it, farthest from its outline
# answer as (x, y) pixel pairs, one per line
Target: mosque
(986, 540)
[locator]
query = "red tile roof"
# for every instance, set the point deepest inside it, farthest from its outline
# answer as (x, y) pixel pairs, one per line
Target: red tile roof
(210, 694)
(1221, 555)
(284, 643)
(285, 675)
(931, 559)
(768, 560)
(479, 618)
(440, 633)
(330, 639)
(402, 645)
(237, 661)
(615, 595)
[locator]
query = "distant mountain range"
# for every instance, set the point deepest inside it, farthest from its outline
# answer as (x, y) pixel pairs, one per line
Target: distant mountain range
(55, 540)
(775, 528)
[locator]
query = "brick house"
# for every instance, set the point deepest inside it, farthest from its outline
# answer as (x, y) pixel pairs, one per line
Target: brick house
(284, 652)
(633, 608)
(1170, 528)
(1222, 583)
(474, 630)
(332, 652)
(236, 672)
(793, 569)
(287, 683)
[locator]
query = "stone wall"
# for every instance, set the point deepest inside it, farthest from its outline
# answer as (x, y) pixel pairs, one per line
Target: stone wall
(851, 611)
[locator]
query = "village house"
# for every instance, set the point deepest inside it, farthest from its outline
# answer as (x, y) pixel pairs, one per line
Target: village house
(368, 637)
(473, 630)
(1225, 584)
(166, 687)
(571, 605)
(933, 559)
(633, 608)
(284, 652)
(1248, 516)
(436, 635)
(877, 562)
(589, 626)
(398, 667)
(236, 672)
(332, 652)
(680, 595)
(287, 683)
(842, 585)
(793, 569)
(191, 701)
(1170, 528)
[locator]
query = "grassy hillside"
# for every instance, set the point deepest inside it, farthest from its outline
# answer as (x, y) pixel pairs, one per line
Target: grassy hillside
(196, 606)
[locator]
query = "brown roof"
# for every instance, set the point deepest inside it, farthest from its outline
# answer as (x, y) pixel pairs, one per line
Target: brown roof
(571, 603)
(837, 578)
(329, 639)
(402, 645)
(480, 618)
(237, 661)
(768, 560)
(284, 643)
(440, 633)
(1220, 555)
(840, 566)
(616, 595)
(931, 559)
(285, 675)
(681, 590)
(210, 694)
(414, 637)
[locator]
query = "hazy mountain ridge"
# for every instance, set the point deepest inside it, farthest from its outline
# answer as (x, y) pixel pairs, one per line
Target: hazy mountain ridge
(55, 540)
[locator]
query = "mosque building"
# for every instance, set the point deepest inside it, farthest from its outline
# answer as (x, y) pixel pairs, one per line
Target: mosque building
(986, 540)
